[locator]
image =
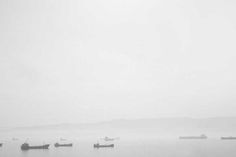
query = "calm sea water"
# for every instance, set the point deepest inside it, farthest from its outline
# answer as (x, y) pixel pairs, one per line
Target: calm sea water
(125, 147)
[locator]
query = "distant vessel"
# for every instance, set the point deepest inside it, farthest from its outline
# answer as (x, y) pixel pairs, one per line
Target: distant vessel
(62, 139)
(14, 139)
(228, 138)
(194, 137)
(97, 145)
(110, 139)
(26, 146)
(1, 144)
(63, 145)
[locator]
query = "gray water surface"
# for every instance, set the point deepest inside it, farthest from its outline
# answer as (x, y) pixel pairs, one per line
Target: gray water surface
(151, 148)
(125, 147)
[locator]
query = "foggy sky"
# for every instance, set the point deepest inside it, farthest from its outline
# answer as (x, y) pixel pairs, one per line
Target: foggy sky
(92, 60)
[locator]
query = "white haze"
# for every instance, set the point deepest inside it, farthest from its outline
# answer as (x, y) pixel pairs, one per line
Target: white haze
(92, 60)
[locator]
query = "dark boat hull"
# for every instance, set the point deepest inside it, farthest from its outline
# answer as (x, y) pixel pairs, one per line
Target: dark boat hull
(201, 137)
(35, 147)
(103, 146)
(0, 144)
(63, 145)
(228, 138)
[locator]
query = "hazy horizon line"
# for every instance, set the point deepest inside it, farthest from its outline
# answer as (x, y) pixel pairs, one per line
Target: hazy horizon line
(112, 120)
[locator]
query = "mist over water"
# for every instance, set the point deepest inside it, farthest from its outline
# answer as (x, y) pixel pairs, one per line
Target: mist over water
(133, 145)
(83, 70)
(135, 140)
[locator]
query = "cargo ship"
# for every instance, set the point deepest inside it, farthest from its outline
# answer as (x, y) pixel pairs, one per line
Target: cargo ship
(63, 145)
(228, 138)
(194, 137)
(26, 146)
(97, 145)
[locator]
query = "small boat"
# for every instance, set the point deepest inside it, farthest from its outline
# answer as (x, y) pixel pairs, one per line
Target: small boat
(97, 145)
(110, 139)
(26, 146)
(194, 137)
(1, 144)
(228, 138)
(63, 145)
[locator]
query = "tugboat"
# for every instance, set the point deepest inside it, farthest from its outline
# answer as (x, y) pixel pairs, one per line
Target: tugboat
(97, 145)
(228, 138)
(63, 145)
(26, 146)
(194, 137)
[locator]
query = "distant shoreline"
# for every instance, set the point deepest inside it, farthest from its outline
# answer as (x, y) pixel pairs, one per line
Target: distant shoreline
(172, 122)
